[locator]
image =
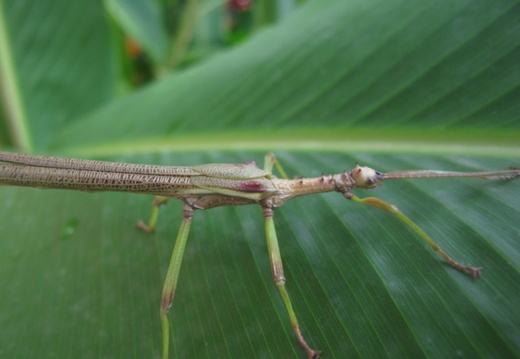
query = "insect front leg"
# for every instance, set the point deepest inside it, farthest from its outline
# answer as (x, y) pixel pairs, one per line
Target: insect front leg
(172, 275)
(150, 227)
(279, 278)
(390, 208)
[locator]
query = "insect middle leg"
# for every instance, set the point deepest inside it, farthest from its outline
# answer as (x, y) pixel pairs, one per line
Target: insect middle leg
(279, 279)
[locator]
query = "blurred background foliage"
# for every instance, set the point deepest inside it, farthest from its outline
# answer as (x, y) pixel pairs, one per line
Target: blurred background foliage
(61, 61)
(150, 72)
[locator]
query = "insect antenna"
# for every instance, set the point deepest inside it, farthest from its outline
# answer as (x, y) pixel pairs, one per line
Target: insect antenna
(489, 175)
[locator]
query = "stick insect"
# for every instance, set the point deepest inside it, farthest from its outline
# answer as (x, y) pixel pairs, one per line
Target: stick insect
(215, 185)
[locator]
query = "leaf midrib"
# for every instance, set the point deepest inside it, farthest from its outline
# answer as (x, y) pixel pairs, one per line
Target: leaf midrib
(499, 143)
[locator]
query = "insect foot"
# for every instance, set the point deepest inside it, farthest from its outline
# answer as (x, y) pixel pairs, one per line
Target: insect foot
(314, 355)
(142, 226)
(475, 272)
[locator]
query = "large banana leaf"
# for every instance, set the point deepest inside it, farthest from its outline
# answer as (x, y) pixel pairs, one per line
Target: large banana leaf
(390, 84)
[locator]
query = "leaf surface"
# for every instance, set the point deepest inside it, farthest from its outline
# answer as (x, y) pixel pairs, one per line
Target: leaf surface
(388, 84)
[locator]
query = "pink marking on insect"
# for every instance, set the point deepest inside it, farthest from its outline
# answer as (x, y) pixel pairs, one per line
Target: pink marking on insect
(250, 186)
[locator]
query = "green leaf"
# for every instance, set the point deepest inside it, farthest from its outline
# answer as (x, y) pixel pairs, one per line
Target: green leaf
(56, 64)
(389, 84)
(437, 65)
(142, 20)
(80, 281)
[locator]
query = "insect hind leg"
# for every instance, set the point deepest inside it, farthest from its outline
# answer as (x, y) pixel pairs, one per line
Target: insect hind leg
(154, 216)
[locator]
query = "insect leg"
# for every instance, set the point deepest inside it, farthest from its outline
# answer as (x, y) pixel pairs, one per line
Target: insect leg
(150, 227)
(270, 160)
(390, 208)
(279, 279)
(172, 275)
